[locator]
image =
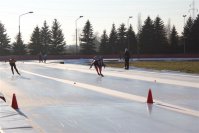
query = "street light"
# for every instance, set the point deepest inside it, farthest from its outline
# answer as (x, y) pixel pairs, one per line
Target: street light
(128, 21)
(128, 28)
(184, 16)
(22, 15)
(76, 31)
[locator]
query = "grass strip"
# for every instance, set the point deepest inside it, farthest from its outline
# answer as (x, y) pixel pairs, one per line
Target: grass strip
(182, 66)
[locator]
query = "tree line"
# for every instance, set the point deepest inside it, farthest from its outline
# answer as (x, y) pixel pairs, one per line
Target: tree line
(152, 38)
(43, 40)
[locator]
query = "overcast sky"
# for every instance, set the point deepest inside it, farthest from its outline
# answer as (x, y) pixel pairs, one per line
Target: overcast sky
(101, 13)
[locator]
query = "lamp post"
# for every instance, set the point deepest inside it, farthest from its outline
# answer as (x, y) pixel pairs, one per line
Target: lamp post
(184, 16)
(128, 28)
(22, 15)
(76, 31)
(128, 21)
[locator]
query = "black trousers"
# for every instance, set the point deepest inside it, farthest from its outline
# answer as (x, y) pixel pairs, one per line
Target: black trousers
(126, 64)
(14, 66)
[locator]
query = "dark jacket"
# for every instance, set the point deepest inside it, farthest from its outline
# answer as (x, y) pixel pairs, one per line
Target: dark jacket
(12, 61)
(126, 55)
(97, 61)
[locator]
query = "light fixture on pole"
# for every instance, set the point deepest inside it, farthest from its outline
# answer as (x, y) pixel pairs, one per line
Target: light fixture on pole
(128, 21)
(76, 31)
(128, 28)
(20, 17)
(184, 16)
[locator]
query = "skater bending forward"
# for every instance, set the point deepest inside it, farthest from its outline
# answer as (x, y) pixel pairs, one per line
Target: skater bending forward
(98, 63)
(13, 65)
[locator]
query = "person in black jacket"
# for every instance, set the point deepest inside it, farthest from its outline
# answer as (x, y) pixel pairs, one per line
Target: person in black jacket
(126, 59)
(98, 63)
(13, 65)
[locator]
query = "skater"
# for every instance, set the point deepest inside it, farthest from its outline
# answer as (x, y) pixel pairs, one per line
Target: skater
(12, 64)
(40, 57)
(126, 59)
(98, 63)
(45, 58)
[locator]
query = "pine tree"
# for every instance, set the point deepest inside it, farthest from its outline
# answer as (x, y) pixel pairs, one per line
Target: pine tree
(174, 40)
(46, 38)
(122, 41)
(186, 35)
(4, 41)
(113, 40)
(35, 46)
(19, 47)
(160, 39)
(87, 45)
(146, 37)
(131, 40)
(194, 37)
(104, 43)
(58, 42)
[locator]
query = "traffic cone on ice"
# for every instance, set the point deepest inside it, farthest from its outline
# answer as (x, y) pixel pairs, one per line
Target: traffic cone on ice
(14, 102)
(150, 97)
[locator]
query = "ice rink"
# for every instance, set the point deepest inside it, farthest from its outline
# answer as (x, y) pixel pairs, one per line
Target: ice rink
(71, 98)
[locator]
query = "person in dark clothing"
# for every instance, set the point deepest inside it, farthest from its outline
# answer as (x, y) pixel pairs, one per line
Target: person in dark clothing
(40, 57)
(126, 59)
(45, 58)
(13, 65)
(98, 63)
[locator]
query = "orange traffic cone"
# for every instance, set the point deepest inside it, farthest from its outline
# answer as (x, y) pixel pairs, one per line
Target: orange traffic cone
(14, 102)
(150, 97)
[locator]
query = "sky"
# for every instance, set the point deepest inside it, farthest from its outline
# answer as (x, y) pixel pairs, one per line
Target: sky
(101, 13)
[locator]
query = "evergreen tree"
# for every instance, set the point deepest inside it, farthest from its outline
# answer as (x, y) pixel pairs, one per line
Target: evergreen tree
(58, 42)
(104, 43)
(174, 40)
(160, 39)
(122, 41)
(19, 47)
(87, 45)
(146, 37)
(4, 41)
(35, 46)
(186, 38)
(46, 38)
(194, 37)
(132, 41)
(113, 40)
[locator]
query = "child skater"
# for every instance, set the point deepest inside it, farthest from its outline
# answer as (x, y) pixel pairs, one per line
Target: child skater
(98, 63)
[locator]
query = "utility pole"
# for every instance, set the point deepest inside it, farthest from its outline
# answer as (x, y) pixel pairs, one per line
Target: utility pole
(128, 29)
(20, 17)
(76, 33)
(184, 16)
